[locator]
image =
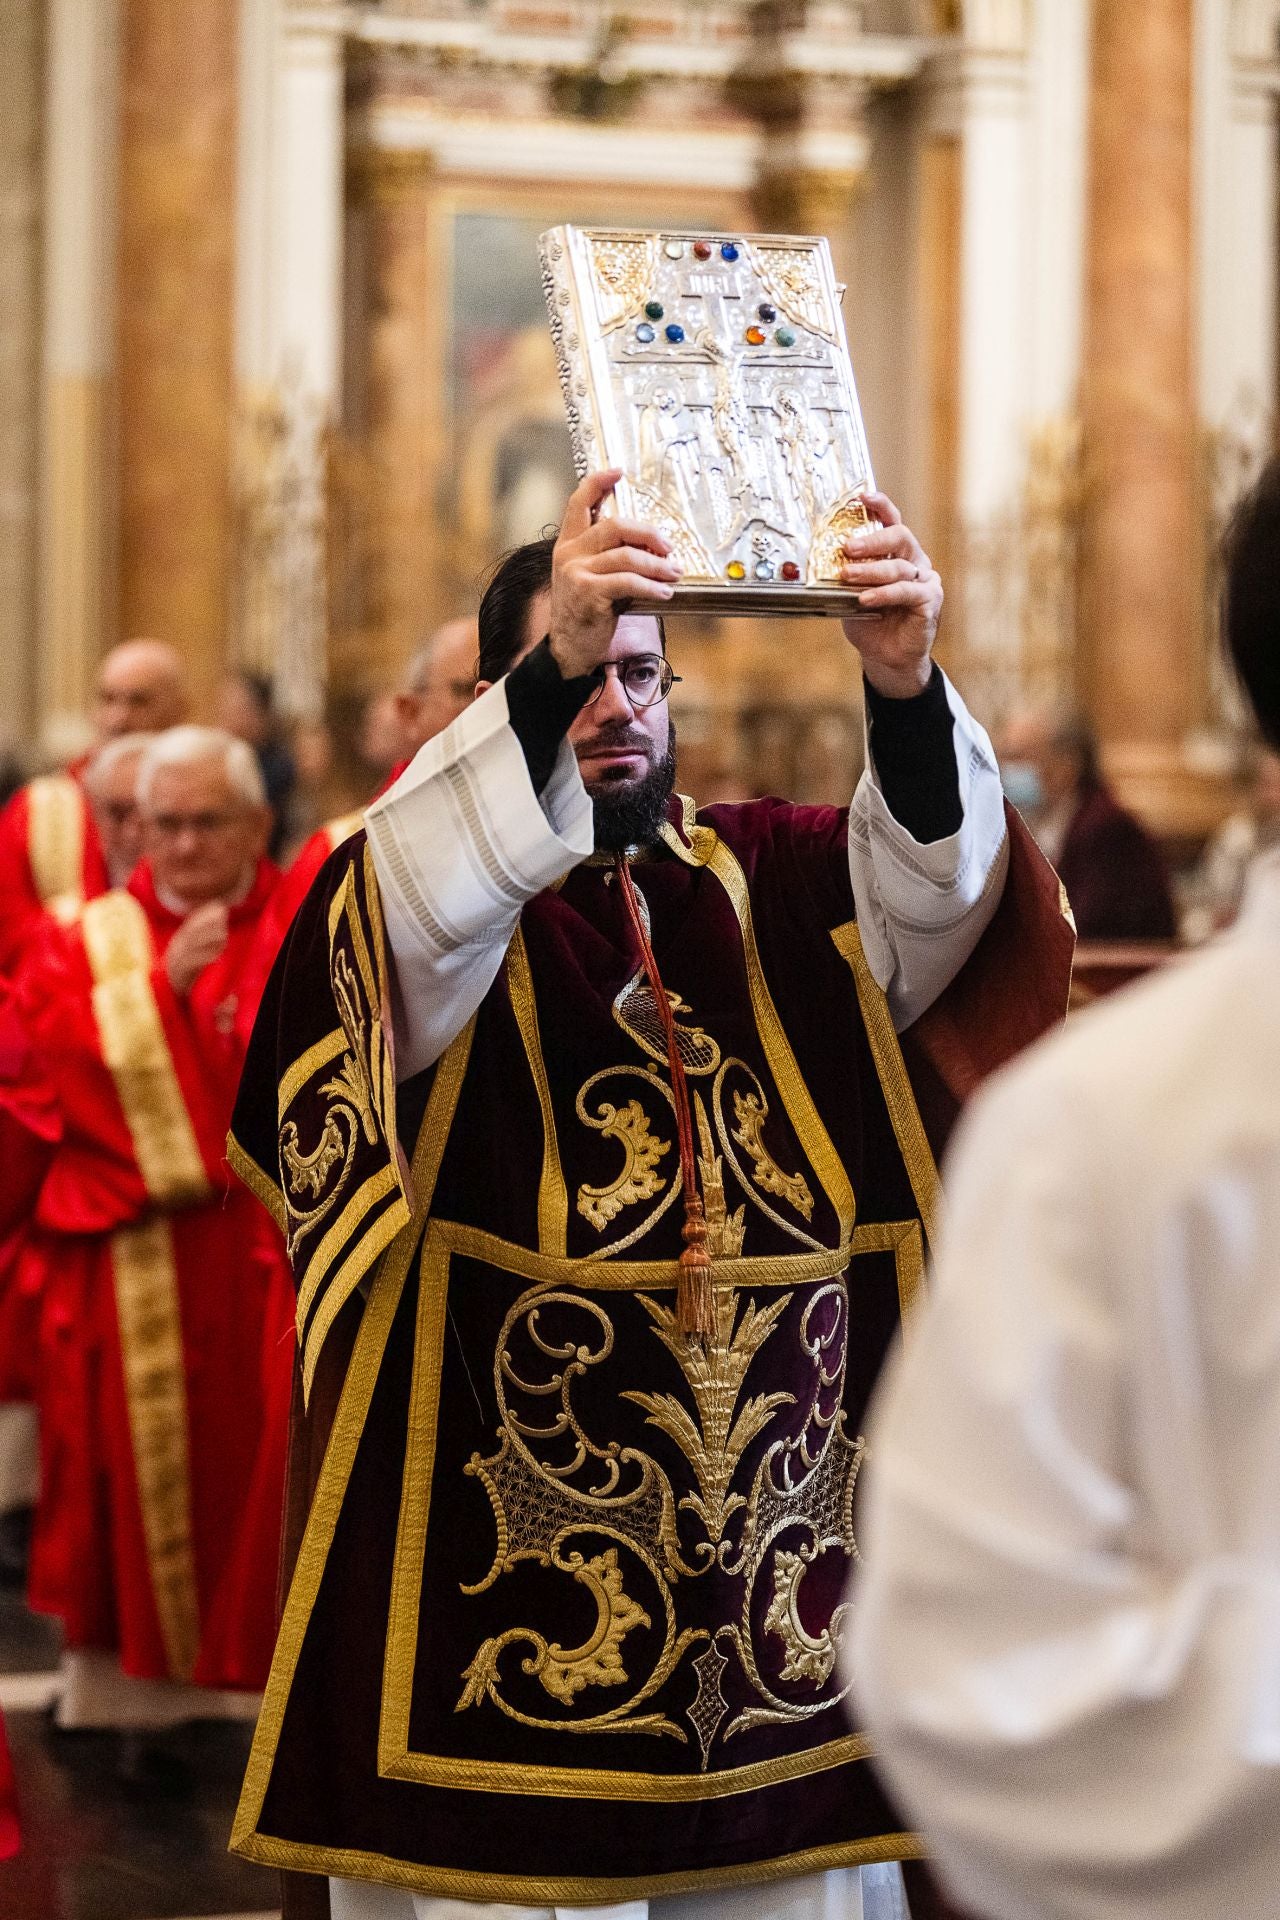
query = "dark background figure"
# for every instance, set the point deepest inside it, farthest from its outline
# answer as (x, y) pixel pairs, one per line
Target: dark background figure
(1115, 875)
(245, 709)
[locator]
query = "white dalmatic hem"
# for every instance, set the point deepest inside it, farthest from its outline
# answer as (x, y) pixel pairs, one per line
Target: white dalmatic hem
(844, 1893)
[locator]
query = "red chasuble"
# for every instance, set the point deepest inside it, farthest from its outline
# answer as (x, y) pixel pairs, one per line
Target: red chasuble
(564, 1621)
(51, 861)
(155, 1282)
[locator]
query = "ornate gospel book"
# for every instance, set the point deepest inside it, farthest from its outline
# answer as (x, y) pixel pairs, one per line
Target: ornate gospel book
(713, 369)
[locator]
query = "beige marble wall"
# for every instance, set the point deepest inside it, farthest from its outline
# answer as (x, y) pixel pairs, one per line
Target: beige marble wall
(21, 37)
(176, 268)
(1141, 644)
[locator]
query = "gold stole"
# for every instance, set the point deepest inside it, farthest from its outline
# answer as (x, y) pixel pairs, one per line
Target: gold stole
(118, 942)
(55, 844)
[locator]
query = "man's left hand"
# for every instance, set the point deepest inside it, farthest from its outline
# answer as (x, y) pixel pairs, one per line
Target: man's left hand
(894, 576)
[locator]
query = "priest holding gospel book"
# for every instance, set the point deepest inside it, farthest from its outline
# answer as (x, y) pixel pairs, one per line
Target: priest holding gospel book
(603, 1129)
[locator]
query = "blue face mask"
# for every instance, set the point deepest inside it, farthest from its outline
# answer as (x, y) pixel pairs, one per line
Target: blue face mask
(1023, 786)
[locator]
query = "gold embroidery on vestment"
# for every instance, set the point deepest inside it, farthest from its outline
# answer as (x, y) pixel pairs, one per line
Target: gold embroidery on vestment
(553, 1197)
(135, 1047)
(145, 1278)
(56, 828)
(639, 1179)
(636, 1011)
(895, 1082)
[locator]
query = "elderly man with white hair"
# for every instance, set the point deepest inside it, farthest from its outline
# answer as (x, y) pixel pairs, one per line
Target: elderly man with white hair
(156, 1272)
(51, 854)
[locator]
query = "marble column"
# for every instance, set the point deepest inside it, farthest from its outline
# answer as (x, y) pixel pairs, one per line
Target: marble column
(76, 571)
(176, 291)
(404, 335)
(1141, 657)
(20, 117)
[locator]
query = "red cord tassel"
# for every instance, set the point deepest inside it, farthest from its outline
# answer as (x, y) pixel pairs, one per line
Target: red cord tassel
(695, 1303)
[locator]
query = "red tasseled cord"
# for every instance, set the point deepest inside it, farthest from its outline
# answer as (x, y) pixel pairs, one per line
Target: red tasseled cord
(695, 1307)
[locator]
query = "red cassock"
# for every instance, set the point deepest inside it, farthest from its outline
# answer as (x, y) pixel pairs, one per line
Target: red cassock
(51, 861)
(157, 1279)
(28, 1135)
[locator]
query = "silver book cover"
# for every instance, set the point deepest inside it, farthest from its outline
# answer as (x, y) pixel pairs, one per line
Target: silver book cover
(713, 369)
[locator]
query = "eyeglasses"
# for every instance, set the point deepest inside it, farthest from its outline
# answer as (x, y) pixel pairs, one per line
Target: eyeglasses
(646, 679)
(169, 825)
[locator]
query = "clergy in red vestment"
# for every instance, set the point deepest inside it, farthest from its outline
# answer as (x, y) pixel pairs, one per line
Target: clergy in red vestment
(436, 686)
(603, 1128)
(28, 1134)
(51, 855)
(156, 1278)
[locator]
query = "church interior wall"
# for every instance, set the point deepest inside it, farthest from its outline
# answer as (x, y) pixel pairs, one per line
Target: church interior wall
(259, 283)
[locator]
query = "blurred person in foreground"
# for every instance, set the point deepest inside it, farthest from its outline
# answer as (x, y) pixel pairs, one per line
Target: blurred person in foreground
(1115, 875)
(1068, 1639)
(155, 1273)
(51, 855)
(585, 1445)
(1216, 889)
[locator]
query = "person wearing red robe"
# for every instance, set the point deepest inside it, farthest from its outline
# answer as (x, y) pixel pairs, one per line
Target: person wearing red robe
(28, 1135)
(437, 685)
(156, 1278)
(52, 857)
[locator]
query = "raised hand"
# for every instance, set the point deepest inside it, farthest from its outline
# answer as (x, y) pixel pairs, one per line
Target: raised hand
(893, 575)
(198, 942)
(600, 566)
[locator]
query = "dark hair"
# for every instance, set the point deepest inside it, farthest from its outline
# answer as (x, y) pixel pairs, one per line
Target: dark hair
(1251, 599)
(258, 688)
(513, 586)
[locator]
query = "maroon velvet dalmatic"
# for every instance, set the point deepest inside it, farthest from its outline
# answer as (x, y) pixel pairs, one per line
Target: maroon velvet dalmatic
(564, 1623)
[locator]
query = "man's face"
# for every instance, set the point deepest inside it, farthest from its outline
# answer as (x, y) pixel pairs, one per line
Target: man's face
(445, 689)
(118, 820)
(626, 754)
(138, 692)
(202, 839)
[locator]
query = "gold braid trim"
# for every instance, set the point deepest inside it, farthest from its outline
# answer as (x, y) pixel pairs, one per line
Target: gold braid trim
(55, 843)
(541, 1891)
(553, 1195)
(895, 1082)
(385, 1289)
(117, 939)
(145, 1278)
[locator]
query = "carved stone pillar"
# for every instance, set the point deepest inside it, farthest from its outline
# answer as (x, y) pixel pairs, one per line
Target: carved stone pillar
(176, 323)
(77, 577)
(20, 89)
(1142, 675)
(400, 448)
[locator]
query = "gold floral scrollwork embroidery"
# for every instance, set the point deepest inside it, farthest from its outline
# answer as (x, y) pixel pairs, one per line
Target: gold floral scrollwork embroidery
(751, 1112)
(806, 1657)
(323, 1170)
(639, 1178)
(716, 1440)
(563, 1674)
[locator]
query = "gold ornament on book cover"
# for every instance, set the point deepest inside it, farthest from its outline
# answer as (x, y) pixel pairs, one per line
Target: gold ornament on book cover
(713, 369)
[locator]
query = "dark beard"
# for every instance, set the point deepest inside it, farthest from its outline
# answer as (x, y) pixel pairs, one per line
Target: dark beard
(633, 815)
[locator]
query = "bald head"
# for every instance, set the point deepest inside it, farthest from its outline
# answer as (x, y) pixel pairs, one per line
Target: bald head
(438, 683)
(142, 687)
